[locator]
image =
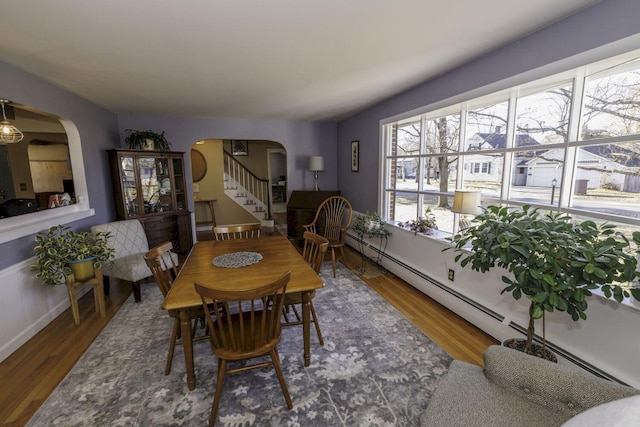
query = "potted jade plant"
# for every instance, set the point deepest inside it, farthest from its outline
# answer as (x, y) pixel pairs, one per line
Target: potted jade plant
(60, 250)
(147, 140)
(553, 261)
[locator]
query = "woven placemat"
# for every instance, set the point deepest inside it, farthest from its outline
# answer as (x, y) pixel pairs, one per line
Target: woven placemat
(236, 259)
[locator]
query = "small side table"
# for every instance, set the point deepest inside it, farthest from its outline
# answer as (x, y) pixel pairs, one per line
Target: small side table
(213, 213)
(98, 294)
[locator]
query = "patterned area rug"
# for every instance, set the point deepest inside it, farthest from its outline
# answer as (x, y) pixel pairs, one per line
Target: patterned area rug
(375, 368)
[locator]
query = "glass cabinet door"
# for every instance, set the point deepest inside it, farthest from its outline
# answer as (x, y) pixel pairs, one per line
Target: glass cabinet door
(129, 186)
(178, 174)
(155, 183)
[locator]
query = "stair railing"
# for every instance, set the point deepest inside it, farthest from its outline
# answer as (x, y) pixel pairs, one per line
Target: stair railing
(258, 188)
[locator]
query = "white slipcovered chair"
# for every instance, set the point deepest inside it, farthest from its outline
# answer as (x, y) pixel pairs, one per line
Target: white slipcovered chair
(130, 244)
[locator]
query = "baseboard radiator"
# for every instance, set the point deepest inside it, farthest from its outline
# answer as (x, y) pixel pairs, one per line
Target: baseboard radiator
(487, 311)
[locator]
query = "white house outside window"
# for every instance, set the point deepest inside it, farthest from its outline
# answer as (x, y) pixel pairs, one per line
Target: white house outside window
(537, 143)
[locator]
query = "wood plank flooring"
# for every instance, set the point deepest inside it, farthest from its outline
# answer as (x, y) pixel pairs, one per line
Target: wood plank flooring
(32, 372)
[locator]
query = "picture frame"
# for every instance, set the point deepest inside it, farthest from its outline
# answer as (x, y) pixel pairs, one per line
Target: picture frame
(240, 147)
(355, 156)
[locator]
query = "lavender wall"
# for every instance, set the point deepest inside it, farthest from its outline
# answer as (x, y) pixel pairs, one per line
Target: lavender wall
(98, 130)
(301, 140)
(565, 44)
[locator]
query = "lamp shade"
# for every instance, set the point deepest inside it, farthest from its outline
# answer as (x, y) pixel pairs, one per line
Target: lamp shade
(316, 163)
(9, 134)
(466, 202)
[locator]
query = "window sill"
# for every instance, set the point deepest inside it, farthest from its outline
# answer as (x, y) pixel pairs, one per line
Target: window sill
(439, 235)
(627, 303)
(24, 225)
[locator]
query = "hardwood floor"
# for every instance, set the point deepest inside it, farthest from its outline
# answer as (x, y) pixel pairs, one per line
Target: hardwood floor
(32, 372)
(456, 336)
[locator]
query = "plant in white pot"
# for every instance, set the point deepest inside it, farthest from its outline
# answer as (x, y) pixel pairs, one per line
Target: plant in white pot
(372, 226)
(554, 262)
(59, 248)
(369, 225)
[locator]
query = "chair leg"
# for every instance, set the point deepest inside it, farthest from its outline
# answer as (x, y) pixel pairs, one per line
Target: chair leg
(222, 369)
(105, 285)
(136, 291)
(314, 319)
(333, 261)
(172, 345)
(298, 317)
(341, 257)
(275, 358)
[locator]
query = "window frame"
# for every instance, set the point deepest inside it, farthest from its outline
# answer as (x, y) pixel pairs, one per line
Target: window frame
(576, 78)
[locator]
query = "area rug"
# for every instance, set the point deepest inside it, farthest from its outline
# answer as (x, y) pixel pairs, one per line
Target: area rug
(375, 368)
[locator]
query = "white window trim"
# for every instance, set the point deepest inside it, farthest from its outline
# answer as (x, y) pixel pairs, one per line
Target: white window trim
(526, 84)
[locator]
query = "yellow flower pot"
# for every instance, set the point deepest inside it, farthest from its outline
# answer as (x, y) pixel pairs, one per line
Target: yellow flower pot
(82, 270)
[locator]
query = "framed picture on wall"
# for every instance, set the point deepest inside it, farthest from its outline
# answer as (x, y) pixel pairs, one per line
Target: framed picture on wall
(239, 147)
(355, 158)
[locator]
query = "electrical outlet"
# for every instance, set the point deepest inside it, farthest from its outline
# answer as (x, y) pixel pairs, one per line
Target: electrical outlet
(451, 274)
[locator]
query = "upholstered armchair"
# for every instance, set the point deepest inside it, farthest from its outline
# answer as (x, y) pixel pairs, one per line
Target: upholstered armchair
(130, 244)
(516, 389)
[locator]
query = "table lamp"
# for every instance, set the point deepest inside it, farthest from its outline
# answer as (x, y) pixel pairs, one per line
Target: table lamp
(466, 202)
(316, 164)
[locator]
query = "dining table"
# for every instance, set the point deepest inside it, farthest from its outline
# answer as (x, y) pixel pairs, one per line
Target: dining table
(268, 257)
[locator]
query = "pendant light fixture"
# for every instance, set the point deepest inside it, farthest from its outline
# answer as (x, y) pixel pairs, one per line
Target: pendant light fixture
(9, 134)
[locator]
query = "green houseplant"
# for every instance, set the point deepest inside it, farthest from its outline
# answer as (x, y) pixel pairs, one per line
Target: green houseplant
(424, 224)
(369, 225)
(139, 139)
(58, 246)
(554, 262)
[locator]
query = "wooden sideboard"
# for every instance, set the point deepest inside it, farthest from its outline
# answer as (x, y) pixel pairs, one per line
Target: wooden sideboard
(302, 208)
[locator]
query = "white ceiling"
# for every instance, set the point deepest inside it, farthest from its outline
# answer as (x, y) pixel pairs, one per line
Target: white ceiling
(264, 59)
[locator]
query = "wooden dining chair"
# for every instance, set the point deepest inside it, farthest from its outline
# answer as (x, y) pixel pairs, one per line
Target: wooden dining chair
(332, 221)
(314, 250)
(237, 231)
(249, 328)
(164, 267)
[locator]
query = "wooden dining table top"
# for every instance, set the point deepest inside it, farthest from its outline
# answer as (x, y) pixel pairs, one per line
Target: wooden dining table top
(278, 256)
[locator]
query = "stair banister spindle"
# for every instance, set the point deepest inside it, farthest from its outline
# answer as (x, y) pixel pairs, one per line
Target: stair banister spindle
(256, 190)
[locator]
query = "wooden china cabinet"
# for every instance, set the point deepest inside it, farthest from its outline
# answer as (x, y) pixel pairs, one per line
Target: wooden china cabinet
(150, 186)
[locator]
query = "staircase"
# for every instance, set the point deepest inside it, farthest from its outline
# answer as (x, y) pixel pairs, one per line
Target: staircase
(247, 190)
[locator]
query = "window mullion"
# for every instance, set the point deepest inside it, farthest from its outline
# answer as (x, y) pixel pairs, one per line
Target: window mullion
(573, 131)
(509, 143)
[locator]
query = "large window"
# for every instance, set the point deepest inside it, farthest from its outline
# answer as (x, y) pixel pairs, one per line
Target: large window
(570, 142)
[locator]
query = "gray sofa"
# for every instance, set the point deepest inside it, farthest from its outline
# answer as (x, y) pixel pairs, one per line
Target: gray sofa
(515, 389)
